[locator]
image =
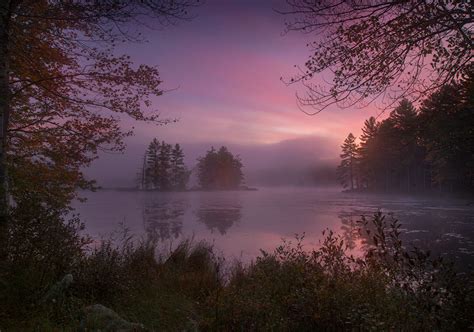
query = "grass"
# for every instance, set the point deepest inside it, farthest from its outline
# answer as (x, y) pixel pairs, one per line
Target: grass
(190, 288)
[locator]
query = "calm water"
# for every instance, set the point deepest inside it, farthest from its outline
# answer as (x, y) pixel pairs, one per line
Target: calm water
(240, 223)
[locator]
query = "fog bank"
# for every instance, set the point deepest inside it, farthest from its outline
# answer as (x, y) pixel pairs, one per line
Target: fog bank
(302, 161)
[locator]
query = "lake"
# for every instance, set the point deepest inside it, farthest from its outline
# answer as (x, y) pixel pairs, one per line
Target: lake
(240, 223)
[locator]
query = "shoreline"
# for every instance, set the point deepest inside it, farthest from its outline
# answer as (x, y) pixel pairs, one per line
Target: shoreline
(175, 191)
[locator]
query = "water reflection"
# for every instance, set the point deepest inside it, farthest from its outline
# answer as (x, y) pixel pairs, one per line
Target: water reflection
(220, 218)
(163, 220)
(349, 228)
(446, 227)
(449, 236)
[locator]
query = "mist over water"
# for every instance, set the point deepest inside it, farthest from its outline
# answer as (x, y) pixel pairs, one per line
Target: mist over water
(311, 160)
(240, 223)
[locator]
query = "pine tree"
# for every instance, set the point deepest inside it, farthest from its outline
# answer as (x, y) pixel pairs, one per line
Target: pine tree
(405, 122)
(141, 175)
(448, 136)
(164, 167)
(418, 150)
(348, 166)
(220, 170)
(151, 173)
(207, 167)
(229, 173)
(366, 152)
(179, 173)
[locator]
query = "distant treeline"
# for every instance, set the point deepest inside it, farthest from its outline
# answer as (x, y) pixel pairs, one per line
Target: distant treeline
(429, 148)
(163, 169)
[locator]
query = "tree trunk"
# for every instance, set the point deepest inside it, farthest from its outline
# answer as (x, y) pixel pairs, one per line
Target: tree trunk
(143, 173)
(4, 114)
(351, 174)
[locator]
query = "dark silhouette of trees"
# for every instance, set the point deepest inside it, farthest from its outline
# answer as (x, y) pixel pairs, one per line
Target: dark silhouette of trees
(163, 168)
(151, 171)
(418, 150)
(347, 170)
(447, 135)
(386, 49)
(179, 173)
(219, 170)
(366, 153)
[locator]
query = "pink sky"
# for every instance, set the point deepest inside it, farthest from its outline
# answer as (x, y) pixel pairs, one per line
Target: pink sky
(226, 66)
(224, 69)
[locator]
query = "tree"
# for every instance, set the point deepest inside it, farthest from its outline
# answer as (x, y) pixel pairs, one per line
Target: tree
(386, 157)
(383, 50)
(448, 135)
(220, 170)
(141, 174)
(207, 167)
(348, 167)
(164, 167)
(366, 152)
(152, 165)
(179, 173)
(405, 122)
(56, 107)
(229, 171)
(425, 149)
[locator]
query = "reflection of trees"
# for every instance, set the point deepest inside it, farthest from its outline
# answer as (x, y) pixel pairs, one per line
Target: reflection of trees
(219, 217)
(163, 220)
(353, 230)
(349, 227)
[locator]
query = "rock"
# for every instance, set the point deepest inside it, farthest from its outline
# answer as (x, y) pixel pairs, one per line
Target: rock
(100, 318)
(57, 290)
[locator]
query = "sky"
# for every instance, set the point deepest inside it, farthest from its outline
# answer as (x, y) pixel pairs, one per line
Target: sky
(222, 75)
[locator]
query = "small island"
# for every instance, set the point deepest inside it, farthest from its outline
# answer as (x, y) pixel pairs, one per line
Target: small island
(163, 169)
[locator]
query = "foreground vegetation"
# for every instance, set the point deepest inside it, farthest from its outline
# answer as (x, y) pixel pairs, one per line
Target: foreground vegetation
(190, 288)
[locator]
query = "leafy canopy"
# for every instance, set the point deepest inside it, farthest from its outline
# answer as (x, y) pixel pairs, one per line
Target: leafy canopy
(70, 88)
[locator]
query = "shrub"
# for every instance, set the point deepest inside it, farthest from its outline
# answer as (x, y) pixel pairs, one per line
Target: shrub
(387, 287)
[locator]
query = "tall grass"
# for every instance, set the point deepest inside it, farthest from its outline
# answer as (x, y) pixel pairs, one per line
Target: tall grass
(390, 287)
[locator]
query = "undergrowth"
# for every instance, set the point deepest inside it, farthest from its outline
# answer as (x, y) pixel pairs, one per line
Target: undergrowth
(389, 287)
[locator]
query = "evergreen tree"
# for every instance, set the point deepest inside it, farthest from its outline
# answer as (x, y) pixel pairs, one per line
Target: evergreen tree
(448, 135)
(366, 152)
(405, 122)
(220, 170)
(417, 150)
(164, 167)
(141, 175)
(229, 172)
(152, 170)
(179, 173)
(348, 166)
(207, 167)
(384, 156)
